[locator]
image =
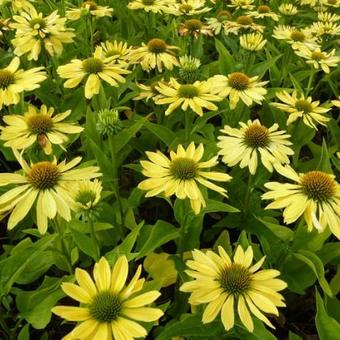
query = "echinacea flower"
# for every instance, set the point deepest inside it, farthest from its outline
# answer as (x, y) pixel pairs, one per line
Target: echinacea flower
(238, 85)
(241, 4)
(86, 194)
(194, 28)
(155, 6)
(118, 51)
(88, 8)
(196, 96)
(254, 141)
(298, 106)
(288, 9)
(187, 7)
(155, 54)
(229, 287)
(324, 29)
(34, 32)
(37, 126)
(315, 195)
(263, 11)
(45, 183)
(95, 69)
(252, 41)
(328, 17)
(109, 306)
(216, 24)
(14, 81)
(180, 175)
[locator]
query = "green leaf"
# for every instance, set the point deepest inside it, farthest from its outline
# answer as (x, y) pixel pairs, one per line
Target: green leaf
(260, 332)
(283, 233)
(35, 306)
(328, 328)
(163, 133)
(314, 262)
(324, 162)
(84, 243)
(103, 162)
(226, 61)
(159, 234)
(293, 336)
(217, 206)
(24, 333)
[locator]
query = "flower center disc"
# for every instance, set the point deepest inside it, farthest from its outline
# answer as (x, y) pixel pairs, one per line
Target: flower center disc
(188, 91)
(6, 79)
(93, 65)
(185, 8)
(105, 307)
(256, 136)
(85, 197)
(91, 5)
(235, 279)
(297, 36)
(318, 185)
(157, 46)
(183, 168)
(332, 2)
(238, 81)
(148, 2)
(38, 23)
(263, 9)
(304, 105)
(193, 25)
(44, 175)
(244, 20)
(39, 123)
(223, 15)
(318, 55)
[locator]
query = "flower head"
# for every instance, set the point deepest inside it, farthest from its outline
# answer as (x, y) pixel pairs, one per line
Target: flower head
(188, 69)
(156, 6)
(194, 27)
(263, 11)
(109, 306)
(187, 7)
(180, 175)
(288, 9)
(86, 194)
(241, 4)
(301, 107)
(108, 122)
(315, 195)
(14, 81)
(45, 183)
(37, 126)
(252, 141)
(118, 51)
(223, 284)
(252, 41)
(88, 8)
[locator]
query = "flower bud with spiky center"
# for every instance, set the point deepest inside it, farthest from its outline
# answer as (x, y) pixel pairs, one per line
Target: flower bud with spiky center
(188, 72)
(108, 122)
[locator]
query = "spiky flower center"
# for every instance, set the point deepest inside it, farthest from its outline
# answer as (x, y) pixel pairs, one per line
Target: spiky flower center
(185, 8)
(105, 307)
(44, 175)
(235, 279)
(297, 36)
(332, 2)
(6, 79)
(91, 5)
(148, 2)
(318, 185)
(304, 105)
(93, 65)
(193, 25)
(263, 9)
(113, 53)
(223, 15)
(183, 168)
(39, 124)
(256, 136)
(318, 55)
(38, 23)
(188, 91)
(244, 20)
(157, 46)
(238, 81)
(85, 196)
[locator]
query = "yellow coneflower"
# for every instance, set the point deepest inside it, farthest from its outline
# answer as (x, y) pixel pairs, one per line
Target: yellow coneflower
(187, 7)
(95, 69)
(194, 27)
(196, 96)
(319, 59)
(14, 81)
(263, 11)
(156, 6)
(33, 31)
(147, 91)
(288, 9)
(315, 195)
(109, 306)
(254, 141)
(301, 107)
(331, 3)
(180, 175)
(252, 41)
(88, 8)
(155, 54)
(18, 5)
(324, 29)
(241, 4)
(118, 51)
(328, 17)
(243, 22)
(47, 184)
(217, 24)
(238, 85)
(224, 285)
(37, 126)
(86, 194)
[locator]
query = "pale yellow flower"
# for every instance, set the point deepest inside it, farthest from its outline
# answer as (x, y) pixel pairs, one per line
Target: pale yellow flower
(224, 285)
(263, 11)
(288, 9)
(187, 7)
(88, 8)
(34, 32)
(181, 174)
(194, 27)
(252, 41)
(86, 194)
(216, 24)
(242, 23)
(109, 307)
(118, 51)
(298, 106)
(324, 29)
(253, 141)
(37, 126)
(328, 17)
(315, 195)
(14, 81)
(156, 6)
(241, 4)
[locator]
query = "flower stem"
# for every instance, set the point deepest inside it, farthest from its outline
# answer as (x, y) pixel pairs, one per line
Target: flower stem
(93, 235)
(310, 81)
(188, 124)
(249, 188)
(60, 232)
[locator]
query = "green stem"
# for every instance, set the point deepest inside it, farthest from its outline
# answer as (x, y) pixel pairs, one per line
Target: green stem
(93, 234)
(249, 187)
(60, 233)
(310, 81)
(188, 124)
